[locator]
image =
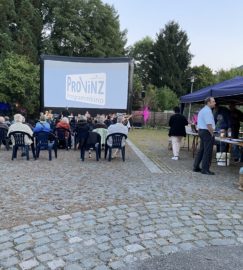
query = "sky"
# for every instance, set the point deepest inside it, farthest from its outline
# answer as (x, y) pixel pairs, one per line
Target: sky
(214, 27)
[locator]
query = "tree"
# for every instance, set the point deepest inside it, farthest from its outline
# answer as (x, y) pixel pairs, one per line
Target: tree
(166, 99)
(82, 28)
(20, 30)
(136, 95)
(151, 99)
(223, 75)
(141, 51)
(29, 28)
(203, 77)
(170, 58)
(19, 82)
(7, 23)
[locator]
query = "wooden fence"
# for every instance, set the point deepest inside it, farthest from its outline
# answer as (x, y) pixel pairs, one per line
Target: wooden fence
(155, 118)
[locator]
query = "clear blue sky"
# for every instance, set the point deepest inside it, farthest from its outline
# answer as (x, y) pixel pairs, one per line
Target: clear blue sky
(214, 27)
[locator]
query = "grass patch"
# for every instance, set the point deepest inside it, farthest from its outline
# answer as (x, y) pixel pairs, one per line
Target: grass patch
(149, 140)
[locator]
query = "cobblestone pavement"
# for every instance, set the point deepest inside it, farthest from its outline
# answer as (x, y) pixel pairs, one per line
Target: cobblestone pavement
(66, 214)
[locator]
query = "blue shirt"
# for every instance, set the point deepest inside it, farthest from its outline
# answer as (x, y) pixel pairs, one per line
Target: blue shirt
(205, 117)
(42, 126)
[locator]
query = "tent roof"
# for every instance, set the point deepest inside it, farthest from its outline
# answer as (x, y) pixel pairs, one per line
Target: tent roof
(225, 90)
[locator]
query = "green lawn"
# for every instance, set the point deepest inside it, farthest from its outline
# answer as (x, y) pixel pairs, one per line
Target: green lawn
(150, 141)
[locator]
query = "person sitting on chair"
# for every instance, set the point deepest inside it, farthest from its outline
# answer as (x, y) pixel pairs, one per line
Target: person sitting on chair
(117, 128)
(2, 123)
(18, 125)
(42, 125)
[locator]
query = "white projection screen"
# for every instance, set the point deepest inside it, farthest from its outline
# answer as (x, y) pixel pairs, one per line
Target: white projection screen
(95, 83)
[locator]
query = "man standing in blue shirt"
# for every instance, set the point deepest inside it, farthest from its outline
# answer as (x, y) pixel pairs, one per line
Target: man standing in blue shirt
(206, 126)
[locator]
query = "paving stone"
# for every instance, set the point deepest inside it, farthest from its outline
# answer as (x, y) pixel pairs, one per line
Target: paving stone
(75, 256)
(201, 243)
(25, 255)
(6, 245)
(90, 242)
(117, 265)
(104, 246)
(23, 239)
(4, 238)
(41, 249)
(222, 242)
(214, 234)
(7, 253)
(147, 236)
(3, 232)
(28, 264)
(106, 256)
(75, 240)
(73, 267)
(119, 252)
(91, 262)
(102, 239)
(119, 242)
(164, 233)
(55, 264)
(38, 234)
(130, 259)
(20, 227)
(186, 246)
(9, 262)
(24, 246)
(134, 248)
(101, 267)
(45, 257)
(169, 249)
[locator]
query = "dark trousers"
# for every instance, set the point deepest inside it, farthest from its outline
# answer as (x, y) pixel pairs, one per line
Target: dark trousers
(205, 152)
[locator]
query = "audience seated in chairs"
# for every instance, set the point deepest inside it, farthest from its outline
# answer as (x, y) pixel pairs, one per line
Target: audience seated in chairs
(63, 133)
(21, 136)
(81, 132)
(42, 125)
(45, 141)
(115, 141)
(116, 128)
(93, 141)
(100, 122)
(103, 134)
(3, 133)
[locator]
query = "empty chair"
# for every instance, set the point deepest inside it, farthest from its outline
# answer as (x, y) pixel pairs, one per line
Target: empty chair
(4, 138)
(45, 141)
(18, 140)
(115, 141)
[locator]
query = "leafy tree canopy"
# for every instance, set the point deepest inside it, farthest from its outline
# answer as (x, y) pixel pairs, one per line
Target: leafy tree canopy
(170, 58)
(19, 82)
(82, 28)
(166, 98)
(141, 52)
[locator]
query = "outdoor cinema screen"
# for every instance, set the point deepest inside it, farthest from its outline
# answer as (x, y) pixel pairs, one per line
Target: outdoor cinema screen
(74, 82)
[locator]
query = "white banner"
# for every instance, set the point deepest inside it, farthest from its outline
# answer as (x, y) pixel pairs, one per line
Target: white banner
(87, 88)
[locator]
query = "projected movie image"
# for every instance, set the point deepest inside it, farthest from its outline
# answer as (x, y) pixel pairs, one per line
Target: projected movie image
(99, 85)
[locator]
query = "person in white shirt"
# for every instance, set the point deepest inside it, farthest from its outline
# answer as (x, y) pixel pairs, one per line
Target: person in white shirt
(20, 126)
(206, 127)
(117, 128)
